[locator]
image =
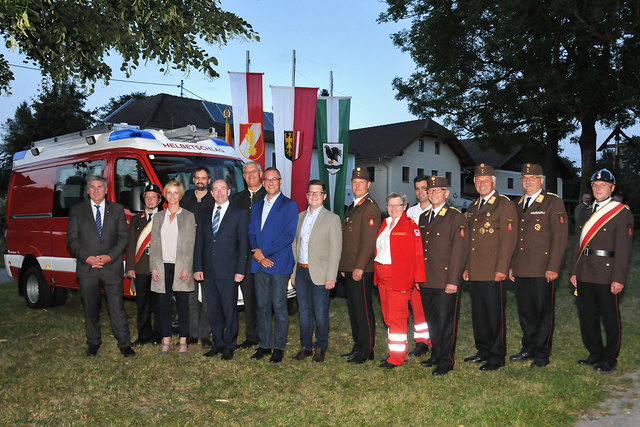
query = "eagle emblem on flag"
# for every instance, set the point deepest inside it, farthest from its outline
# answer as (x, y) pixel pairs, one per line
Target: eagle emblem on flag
(292, 144)
(333, 157)
(251, 141)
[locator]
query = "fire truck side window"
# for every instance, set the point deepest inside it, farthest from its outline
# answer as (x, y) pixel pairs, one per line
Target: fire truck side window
(129, 174)
(71, 185)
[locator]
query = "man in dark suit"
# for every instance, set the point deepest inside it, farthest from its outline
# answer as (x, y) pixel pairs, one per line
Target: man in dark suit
(272, 229)
(245, 199)
(137, 266)
(97, 236)
(219, 262)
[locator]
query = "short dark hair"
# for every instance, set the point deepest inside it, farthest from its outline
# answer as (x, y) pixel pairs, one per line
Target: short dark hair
(272, 168)
(419, 178)
(317, 182)
(202, 168)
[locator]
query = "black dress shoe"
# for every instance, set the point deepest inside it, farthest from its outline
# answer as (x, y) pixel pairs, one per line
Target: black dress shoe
(127, 352)
(260, 353)
(227, 354)
(419, 350)
(539, 363)
(213, 352)
(588, 362)
(318, 356)
(523, 355)
(428, 362)
(277, 356)
(192, 340)
(140, 342)
(358, 359)
(92, 350)
(387, 365)
(302, 354)
(348, 355)
(604, 367)
(441, 370)
(474, 359)
(156, 340)
(206, 342)
(247, 344)
(491, 366)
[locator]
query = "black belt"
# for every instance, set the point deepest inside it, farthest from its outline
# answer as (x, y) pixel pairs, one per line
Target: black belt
(598, 252)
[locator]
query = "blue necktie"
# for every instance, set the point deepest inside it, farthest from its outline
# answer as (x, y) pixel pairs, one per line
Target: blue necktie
(216, 221)
(98, 220)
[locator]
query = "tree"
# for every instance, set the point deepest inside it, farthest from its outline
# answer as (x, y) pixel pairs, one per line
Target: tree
(117, 102)
(532, 68)
(70, 39)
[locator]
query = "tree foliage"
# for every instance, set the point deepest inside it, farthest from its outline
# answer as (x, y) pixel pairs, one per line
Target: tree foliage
(531, 68)
(71, 39)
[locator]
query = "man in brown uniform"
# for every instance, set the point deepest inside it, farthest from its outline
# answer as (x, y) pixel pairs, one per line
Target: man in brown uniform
(446, 246)
(491, 219)
(599, 270)
(543, 228)
(359, 232)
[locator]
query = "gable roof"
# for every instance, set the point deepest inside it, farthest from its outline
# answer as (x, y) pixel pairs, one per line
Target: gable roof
(387, 141)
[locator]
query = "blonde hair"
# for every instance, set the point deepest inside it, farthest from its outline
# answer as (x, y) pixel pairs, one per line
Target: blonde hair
(177, 184)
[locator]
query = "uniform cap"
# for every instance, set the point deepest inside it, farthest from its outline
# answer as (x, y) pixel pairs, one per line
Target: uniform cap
(437, 182)
(153, 187)
(604, 175)
(484, 169)
(360, 173)
(531, 169)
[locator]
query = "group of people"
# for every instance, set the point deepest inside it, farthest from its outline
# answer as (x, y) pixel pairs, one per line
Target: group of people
(417, 258)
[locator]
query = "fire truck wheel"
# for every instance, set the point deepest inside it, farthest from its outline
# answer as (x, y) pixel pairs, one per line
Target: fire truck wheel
(36, 291)
(59, 297)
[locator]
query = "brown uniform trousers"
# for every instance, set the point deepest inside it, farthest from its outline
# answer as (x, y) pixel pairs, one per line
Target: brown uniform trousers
(359, 232)
(493, 240)
(542, 241)
(445, 243)
(594, 274)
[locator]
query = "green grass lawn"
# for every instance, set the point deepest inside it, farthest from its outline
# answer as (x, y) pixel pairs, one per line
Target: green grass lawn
(46, 378)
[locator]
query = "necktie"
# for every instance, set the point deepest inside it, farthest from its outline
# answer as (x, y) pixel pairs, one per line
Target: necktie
(526, 204)
(481, 204)
(216, 221)
(433, 214)
(149, 215)
(595, 208)
(98, 220)
(251, 194)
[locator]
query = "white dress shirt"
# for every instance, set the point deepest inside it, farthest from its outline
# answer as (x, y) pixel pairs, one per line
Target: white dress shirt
(305, 233)
(267, 208)
(223, 210)
(94, 209)
(383, 243)
(169, 237)
(414, 212)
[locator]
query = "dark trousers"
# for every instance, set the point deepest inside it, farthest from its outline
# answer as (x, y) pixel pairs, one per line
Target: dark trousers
(488, 302)
(222, 300)
(147, 303)
(92, 300)
(271, 293)
(313, 306)
(360, 304)
(198, 319)
(596, 303)
(441, 311)
(165, 305)
(247, 286)
(535, 297)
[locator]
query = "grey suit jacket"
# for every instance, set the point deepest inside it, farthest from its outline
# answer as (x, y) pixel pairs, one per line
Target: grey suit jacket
(325, 246)
(84, 241)
(184, 254)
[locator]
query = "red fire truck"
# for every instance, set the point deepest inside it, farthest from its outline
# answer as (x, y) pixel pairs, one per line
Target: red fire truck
(51, 177)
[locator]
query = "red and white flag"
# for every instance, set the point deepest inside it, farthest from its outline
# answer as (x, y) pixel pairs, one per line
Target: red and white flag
(294, 116)
(248, 118)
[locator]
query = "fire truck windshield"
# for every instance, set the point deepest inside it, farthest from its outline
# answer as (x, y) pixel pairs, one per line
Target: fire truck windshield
(181, 168)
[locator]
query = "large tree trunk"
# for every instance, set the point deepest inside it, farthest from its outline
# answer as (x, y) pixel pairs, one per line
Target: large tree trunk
(587, 144)
(550, 160)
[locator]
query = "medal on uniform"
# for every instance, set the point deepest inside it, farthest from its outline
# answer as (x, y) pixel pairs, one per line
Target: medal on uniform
(491, 230)
(487, 224)
(481, 230)
(537, 227)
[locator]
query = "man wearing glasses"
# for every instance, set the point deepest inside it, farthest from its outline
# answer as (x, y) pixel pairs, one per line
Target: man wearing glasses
(316, 248)
(542, 240)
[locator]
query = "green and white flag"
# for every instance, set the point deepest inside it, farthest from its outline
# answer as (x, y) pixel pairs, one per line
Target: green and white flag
(332, 142)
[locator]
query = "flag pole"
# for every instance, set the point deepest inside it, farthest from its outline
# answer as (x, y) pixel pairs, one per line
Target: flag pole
(293, 62)
(248, 61)
(331, 83)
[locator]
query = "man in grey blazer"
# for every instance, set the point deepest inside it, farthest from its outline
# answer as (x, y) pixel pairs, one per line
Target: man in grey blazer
(317, 248)
(97, 236)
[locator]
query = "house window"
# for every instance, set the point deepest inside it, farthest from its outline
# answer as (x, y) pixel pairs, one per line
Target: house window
(420, 172)
(421, 145)
(372, 173)
(509, 182)
(437, 145)
(405, 173)
(448, 175)
(434, 172)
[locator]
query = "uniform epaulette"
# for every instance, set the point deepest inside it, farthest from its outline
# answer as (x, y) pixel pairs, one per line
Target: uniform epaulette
(370, 199)
(455, 209)
(502, 195)
(552, 194)
(627, 207)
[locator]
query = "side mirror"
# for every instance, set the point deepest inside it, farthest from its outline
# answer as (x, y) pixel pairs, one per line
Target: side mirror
(136, 198)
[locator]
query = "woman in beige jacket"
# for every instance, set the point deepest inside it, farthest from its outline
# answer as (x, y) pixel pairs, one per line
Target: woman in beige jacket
(171, 258)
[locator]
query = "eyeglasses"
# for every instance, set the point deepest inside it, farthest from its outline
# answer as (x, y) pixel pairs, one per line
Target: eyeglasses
(435, 190)
(315, 193)
(395, 206)
(271, 179)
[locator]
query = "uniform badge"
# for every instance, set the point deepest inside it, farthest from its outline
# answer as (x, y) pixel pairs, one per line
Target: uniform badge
(417, 232)
(510, 226)
(462, 231)
(491, 200)
(487, 224)
(537, 227)
(630, 231)
(488, 214)
(371, 221)
(561, 219)
(491, 230)
(540, 198)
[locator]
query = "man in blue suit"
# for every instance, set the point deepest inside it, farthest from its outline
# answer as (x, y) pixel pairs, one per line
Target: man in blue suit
(219, 262)
(272, 229)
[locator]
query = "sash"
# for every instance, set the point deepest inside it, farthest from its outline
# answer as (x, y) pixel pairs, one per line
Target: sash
(597, 221)
(143, 240)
